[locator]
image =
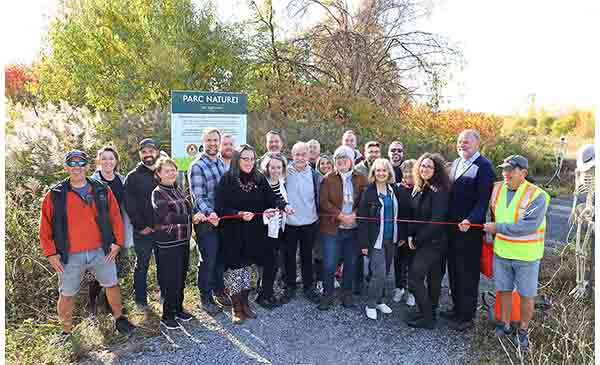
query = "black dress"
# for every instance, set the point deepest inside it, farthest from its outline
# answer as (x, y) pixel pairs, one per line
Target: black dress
(244, 243)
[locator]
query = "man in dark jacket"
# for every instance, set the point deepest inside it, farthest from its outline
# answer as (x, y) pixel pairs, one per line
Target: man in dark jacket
(139, 184)
(472, 177)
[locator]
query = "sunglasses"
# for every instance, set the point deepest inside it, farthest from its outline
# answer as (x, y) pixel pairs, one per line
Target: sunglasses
(79, 163)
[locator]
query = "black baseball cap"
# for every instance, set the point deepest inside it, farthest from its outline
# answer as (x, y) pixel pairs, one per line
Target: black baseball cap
(148, 142)
(76, 153)
(514, 161)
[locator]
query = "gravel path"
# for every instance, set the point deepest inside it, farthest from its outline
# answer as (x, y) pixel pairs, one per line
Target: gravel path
(298, 333)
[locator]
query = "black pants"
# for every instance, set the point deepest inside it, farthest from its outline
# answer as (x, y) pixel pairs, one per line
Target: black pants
(172, 271)
(464, 252)
(270, 265)
(303, 236)
(402, 261)
(427, 264)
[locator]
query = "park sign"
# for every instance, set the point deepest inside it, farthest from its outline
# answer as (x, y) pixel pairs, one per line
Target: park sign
(193, 111)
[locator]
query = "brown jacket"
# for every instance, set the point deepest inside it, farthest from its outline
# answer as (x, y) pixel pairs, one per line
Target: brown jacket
(332, 198)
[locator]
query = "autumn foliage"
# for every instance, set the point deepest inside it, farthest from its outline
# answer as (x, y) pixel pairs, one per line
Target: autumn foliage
(18, 79)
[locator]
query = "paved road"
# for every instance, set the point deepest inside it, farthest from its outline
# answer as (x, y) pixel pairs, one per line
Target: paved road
(298, 333)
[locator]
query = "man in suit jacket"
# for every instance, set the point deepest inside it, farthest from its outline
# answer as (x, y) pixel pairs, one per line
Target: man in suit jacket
(472, 177)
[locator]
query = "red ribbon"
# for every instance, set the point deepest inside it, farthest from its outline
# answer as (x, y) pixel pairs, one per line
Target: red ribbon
(237, 216)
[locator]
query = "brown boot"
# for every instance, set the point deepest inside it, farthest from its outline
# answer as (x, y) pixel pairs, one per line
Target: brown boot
(237, 312)
(221, 297)
(246, 305)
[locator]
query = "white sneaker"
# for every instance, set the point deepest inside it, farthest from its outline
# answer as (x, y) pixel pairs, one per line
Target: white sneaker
(410, 301)
(398, 294)
(371, 313)
(336, 283)
(320, 286)
(383, 308)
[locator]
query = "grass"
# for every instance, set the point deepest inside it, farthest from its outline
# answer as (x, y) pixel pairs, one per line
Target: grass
(560, 334)
(32, 342)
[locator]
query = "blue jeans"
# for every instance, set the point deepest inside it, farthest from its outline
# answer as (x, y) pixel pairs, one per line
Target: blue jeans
(345, 241)
(143, 245)
(210, 270)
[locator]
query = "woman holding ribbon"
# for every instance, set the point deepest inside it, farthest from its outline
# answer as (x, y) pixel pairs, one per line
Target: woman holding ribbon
(429, 203)
(274, 167)
(380, 232)
(242, 195)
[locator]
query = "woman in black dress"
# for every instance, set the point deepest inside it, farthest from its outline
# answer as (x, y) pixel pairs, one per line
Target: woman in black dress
(429, 202)
(243, 191)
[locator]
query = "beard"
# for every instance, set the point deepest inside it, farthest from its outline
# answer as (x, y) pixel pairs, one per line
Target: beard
(149, 161)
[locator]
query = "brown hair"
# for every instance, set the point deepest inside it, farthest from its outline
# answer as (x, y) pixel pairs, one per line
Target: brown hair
(439, 180)
(107, 149)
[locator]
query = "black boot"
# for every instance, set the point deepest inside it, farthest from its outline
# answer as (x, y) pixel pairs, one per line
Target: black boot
(94, 289)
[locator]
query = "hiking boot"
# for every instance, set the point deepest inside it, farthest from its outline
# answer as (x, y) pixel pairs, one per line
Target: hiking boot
(502, 330)
(326, 302)
(246, 309)
(209, 307)
(221, 298)
(237, 313)
(184, 316)
(348, 300)
(123, 325)
(312, 295)
(170, 324)
(523, 339)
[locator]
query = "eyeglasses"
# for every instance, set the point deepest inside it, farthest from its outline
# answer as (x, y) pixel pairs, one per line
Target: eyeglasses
(399, 150)
(79, 163)
(248, 159)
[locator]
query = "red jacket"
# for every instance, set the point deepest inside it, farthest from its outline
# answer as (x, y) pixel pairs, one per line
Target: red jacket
(83, 231)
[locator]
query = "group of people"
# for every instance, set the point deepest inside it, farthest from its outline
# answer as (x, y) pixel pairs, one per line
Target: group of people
(345, 212)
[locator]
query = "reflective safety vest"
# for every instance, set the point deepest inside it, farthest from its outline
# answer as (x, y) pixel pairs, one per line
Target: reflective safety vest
(529, 247)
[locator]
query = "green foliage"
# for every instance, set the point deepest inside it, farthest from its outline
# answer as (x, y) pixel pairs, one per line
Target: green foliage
(135, 52)
(564, 125)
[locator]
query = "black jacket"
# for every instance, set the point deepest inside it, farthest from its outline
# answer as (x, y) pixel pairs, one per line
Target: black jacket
(370, 206)
(139, 184)
(429, 205)
(244, 243)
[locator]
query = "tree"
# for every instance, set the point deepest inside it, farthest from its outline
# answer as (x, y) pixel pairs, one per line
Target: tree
(19, 81)
(129, 54)
(374, 51)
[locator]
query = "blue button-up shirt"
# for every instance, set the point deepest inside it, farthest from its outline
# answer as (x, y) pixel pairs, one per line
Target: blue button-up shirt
(204, 175)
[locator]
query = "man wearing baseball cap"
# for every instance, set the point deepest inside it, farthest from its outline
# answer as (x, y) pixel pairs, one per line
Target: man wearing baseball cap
(517, 218)
(139, 184)
(81, 228)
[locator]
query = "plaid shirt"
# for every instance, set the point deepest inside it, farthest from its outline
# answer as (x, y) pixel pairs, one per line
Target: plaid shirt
(204, 175)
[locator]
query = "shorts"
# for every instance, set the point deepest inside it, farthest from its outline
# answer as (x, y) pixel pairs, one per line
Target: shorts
(69, 281)
(522, 275)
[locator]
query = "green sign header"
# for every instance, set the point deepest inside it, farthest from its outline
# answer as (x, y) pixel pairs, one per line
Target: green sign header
(199, 102)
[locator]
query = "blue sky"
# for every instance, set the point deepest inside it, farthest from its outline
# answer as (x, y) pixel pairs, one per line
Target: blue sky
(513, 48)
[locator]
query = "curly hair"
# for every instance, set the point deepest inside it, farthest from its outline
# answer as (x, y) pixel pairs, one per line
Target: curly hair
(439, 180)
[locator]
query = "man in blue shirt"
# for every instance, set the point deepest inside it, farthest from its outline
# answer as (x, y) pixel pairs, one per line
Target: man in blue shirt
(204, 175)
